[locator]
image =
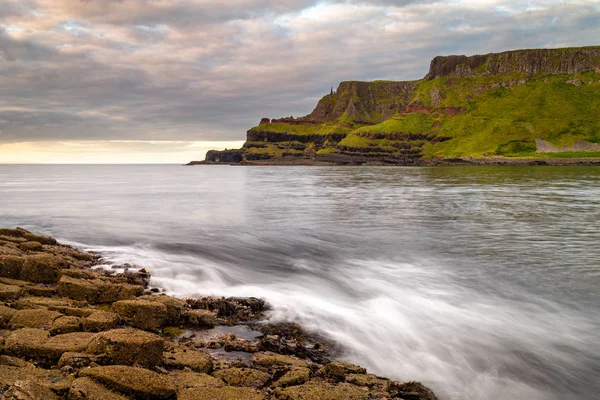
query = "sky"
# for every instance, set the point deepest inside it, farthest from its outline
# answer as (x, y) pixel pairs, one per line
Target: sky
(159, 81)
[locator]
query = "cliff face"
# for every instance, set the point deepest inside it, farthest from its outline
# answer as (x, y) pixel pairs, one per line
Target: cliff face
(477, 106)
(529, 62)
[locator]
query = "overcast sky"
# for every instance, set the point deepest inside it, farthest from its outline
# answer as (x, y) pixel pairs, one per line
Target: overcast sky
(165, 79)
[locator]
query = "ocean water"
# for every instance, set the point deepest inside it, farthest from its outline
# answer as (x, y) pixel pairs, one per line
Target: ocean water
(481, 282)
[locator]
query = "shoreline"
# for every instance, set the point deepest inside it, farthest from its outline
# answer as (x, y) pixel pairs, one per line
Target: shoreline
(442, 162)
(69, 331)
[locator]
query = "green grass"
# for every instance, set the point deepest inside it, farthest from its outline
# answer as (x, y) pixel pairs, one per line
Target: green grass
(321, 129)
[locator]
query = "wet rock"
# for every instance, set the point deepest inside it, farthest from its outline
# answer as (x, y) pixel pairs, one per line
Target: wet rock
(175, 307)
(77, 360)
(142, 314)
(100, 321)
(87, 389)
(188, 379)
(11, 266)
(36, 344)
(269, 360)
(128, 347)
(31, 246)
(295, 376)
(29, 390)
(369, 380)
(65, 324)
(232, 308)
(201, 318)
(6, 314)
(225, 393)
(181, 357)
(412, 391)
(339, 370)
(42, 268)
(97, 291)
(137, 382)
(10, 292)
(321, 391)
(245, 377)
(37, 318)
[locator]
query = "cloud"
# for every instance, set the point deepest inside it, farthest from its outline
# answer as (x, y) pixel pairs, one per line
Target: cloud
(207, 70)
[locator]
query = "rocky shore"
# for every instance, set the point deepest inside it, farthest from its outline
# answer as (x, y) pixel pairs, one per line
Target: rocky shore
(72, 331)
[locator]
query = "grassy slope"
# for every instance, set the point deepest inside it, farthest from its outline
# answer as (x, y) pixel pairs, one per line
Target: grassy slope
(496, 120)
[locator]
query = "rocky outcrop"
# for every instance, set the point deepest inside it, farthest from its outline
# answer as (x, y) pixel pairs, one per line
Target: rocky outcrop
(527, 62)
(68, 341)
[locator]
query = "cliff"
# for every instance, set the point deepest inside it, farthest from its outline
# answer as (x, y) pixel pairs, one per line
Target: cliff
(503, 104)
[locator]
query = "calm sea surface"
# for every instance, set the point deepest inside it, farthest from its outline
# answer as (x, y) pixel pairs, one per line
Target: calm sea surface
(484, 282)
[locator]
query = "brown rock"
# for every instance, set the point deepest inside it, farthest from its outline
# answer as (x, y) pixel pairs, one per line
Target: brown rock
(137, 382)
(142, 314)
(295, 376)
(36, 318)
(29, 390)
(77, 360)
(174, 306)
(128, 347)
(65, 324)
(31, 246)
(225, 393)
(202, 318)
(87, 389)
(245, 377)
(36, 344)
(181, 357)
(6, 313)
(10, 266)
(269, 359)
(42, 268)
(321, 391)
(10, 292)
(97, 291)
(100, 321)
(56, 346)
(339, 369)
(189, 379)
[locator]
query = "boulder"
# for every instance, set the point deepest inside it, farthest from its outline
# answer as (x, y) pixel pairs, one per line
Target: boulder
(321, 391)
(137, 382)
(142, 314)
(369, 380)
(77, 360)
(201, 318)
(189, 379)
(224, 393)
(100, 321)
(175, 307)
(31, 246)
(339, 369)
(36, 318)
(128, 346)
(6, 313)
(268, 359)
(65, 324)
(97, 291)
(10, 266)
(181, 357)
(29, 390)
(245, 377)
(295, 376)
(36, 344)
(87, 389)
(10, 292)
(42, 268)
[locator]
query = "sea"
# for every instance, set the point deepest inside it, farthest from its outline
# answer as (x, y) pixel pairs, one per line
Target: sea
(481, 282)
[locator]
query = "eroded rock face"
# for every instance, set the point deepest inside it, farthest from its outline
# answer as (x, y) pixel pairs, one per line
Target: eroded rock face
(137, 382)
(128, 347)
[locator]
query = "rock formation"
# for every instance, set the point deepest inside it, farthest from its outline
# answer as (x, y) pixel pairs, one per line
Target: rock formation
(483, 106)
(68, 331)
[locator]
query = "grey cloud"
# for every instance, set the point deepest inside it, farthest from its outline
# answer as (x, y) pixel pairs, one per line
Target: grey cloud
(200, 70)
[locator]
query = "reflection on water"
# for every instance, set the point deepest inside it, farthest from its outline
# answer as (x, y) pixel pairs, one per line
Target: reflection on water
(480, 281)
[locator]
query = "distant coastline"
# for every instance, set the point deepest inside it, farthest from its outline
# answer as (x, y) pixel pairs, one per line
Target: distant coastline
(523, 107)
